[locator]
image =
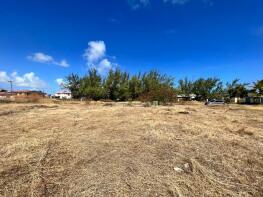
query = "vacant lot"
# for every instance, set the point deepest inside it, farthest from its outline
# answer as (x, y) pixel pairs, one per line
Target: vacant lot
(130, 150)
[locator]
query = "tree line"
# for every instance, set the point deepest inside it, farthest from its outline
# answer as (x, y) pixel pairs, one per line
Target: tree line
(153, 86)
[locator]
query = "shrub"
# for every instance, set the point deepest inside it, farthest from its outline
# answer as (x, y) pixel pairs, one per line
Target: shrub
(5, 101)
(34, 98)
(162, 95)
(147, 104)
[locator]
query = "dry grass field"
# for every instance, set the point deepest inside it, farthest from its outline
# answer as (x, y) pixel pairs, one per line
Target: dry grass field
(123, 149)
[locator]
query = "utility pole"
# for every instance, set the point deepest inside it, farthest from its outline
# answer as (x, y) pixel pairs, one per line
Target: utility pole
(11, 85)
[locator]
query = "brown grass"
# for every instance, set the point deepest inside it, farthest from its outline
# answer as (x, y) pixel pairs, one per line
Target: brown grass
(28, 99)
(93, 149)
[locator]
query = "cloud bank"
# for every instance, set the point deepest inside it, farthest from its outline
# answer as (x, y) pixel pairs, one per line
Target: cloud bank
(29, 80)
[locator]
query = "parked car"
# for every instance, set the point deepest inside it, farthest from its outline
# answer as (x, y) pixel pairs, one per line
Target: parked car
(215, 102)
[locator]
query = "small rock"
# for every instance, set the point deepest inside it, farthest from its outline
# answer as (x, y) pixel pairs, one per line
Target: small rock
(177, 169)
(188, 167)
(183, 112)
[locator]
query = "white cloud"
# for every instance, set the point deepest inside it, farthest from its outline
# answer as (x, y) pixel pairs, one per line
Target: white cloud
(136, 4)
(180, 2)
(47, 59)
(95, 56)
(29, 80)
(4, 77)
(104, 65)
(60, 81)
(62, 63)
(41, 58)
(95, 51)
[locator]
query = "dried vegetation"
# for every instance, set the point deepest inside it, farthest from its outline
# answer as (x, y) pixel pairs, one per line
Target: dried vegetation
(126, 149)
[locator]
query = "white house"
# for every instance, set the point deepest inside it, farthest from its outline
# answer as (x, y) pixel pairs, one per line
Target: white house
(63, 94)
(183, 97)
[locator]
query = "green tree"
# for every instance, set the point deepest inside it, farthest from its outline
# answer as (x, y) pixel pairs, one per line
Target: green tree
(91, 86)
(110, 86)
(157, 87)
(154, 80)
(135, 87)
(73, 84)
(236, 89)
(117, 85)
(258, 87)
(124, 93)
(208, 88)
(185, 86)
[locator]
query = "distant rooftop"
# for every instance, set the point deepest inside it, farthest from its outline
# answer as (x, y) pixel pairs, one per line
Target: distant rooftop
(64, 92)
(25, 91)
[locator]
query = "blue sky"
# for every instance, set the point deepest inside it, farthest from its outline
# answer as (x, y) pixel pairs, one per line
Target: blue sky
(42, 41)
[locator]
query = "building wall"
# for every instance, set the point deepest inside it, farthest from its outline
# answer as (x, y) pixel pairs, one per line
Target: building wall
(63, 96)
(249, 100)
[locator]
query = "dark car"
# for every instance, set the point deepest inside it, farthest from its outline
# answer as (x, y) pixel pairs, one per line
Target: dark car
(215, 102)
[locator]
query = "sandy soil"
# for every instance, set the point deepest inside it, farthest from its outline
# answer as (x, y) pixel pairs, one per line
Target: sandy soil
(123, 150)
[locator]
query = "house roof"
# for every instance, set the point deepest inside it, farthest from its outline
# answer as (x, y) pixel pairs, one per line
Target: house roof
(64, 92)
(4, 94)
(26, 91)
(186, 96)
(22, 91)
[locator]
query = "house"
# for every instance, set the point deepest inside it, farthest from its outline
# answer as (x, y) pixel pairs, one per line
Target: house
(63, 94)
(4, 94)
(250, 99)
(183, 97)
(28, 93)
(254, 100)
(3, 90)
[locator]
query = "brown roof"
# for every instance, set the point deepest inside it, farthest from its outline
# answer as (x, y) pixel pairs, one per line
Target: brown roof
(5, 94)
(27, 91)
(22, 91)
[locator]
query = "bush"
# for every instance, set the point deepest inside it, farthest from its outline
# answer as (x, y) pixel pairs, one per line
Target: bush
(5, 100)
(34, 98)
(129, 104)
(162, 95)
(147, 104)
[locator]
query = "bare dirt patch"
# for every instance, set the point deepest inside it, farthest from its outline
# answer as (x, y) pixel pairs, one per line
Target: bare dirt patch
(130, 150)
